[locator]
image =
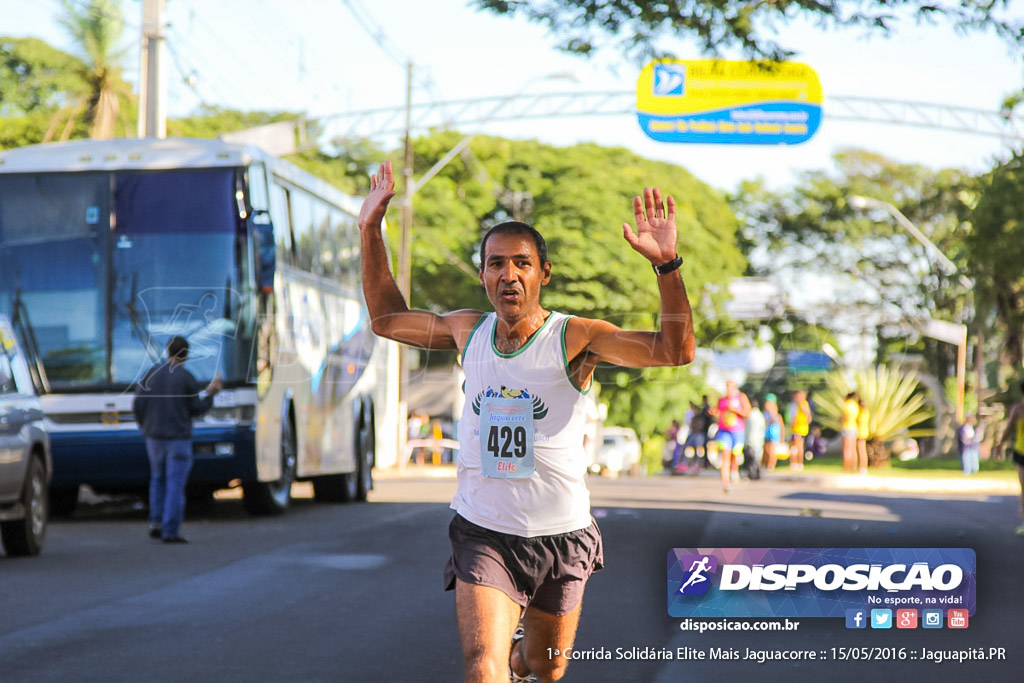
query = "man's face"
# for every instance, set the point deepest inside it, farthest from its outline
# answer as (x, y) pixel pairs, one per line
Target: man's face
(512, 274)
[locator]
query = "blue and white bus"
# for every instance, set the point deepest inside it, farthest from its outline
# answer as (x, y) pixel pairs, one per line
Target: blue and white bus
(109, 248)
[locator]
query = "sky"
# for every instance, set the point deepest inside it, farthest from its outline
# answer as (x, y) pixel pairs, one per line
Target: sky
(317, 56)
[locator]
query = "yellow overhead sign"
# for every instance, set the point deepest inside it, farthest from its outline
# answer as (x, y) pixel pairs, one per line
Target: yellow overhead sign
(729, 102)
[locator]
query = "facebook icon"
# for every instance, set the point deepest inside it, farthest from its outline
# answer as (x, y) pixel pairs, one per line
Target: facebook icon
(856, 618)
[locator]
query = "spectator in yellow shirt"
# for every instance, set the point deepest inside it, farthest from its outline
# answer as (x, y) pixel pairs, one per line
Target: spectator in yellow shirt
(848, 430)
(863, 431)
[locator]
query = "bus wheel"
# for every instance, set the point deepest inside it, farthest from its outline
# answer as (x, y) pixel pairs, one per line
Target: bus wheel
(366, 452)
(63, 500)
(335, 488)
(273, 497)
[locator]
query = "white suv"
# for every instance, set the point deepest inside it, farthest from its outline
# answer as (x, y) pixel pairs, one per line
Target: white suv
(25, 465)
(619, 451)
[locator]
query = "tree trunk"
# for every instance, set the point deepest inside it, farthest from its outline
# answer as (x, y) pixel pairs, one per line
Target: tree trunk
(878, 454)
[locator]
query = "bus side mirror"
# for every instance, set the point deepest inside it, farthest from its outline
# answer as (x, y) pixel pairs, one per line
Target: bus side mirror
(266, 251)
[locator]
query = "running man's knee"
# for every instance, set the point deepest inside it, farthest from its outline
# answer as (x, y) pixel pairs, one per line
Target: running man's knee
(546, 668)
(484, 669)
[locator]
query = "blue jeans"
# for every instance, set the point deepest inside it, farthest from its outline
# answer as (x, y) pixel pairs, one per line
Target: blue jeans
(969, 457)
(170, 461)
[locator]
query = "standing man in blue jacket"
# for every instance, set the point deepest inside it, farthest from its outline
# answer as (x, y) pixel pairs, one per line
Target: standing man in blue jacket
(166, 400)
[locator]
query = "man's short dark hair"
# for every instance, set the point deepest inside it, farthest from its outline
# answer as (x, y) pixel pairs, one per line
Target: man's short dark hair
(515, 228)
(177, 348)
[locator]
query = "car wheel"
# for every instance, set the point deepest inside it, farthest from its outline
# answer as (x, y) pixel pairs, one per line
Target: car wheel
(25, 536)
(273, 497)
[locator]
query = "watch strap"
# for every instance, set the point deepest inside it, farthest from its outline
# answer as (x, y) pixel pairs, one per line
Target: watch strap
(666, 268)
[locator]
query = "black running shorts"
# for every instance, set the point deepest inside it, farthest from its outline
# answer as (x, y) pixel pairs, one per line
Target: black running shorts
(545, 572)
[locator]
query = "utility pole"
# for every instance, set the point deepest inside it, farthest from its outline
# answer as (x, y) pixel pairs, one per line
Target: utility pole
(152, 78)
(405, 270)
(404, 255)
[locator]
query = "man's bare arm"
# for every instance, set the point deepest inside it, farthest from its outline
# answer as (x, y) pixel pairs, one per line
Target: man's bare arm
(390, 315)
(673, 343)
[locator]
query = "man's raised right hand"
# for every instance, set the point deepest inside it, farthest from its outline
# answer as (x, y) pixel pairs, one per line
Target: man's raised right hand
(375, 205)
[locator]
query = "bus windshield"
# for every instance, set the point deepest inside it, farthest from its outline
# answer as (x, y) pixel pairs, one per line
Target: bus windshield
(109, 266)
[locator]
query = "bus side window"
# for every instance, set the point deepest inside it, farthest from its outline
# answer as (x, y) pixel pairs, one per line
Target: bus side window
(346, 240)
(322, 255)
(257, 187)
(302, 227)
(281, 216)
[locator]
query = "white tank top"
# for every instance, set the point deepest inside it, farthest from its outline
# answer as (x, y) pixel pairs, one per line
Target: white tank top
(555, 498)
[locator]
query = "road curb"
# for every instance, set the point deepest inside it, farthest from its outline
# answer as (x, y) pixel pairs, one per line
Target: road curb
(862, 482)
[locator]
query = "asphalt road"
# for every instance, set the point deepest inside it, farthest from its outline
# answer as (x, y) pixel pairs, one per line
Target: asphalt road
(353, 592)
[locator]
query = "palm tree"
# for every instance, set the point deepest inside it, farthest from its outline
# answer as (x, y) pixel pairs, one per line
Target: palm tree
(96, 28)
(894, 401)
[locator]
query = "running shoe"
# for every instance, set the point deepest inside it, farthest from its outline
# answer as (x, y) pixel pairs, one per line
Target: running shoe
(513, 677)
(1019, 530)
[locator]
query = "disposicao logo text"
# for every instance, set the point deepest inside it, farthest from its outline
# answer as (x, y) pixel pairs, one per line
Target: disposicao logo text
(808, 582)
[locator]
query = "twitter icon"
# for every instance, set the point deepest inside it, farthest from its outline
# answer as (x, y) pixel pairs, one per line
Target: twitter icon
(881, 618)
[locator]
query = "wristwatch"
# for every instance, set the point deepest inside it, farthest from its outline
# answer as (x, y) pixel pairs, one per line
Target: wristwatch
(666, 268)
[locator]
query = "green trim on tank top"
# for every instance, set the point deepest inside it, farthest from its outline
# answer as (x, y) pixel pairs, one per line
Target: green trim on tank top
(565, 358)
(483, 317)
(494, 331)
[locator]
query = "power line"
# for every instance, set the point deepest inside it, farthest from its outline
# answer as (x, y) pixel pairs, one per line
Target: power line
(216, 40)
(274, 22)
(207, 72)
(389, 47)
(189, 78)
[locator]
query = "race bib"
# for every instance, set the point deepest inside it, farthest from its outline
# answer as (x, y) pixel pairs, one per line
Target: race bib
(506, 438)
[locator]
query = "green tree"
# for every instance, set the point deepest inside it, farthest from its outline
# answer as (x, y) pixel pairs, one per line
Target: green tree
(347, 168)
(35, 77)
(875, 268)
(210, 121)
(577, 197)
(36, 80)
(107, 104)
(997, 255)
(722, 25)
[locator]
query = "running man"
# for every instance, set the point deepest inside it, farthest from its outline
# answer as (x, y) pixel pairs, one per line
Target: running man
(1015, 434)
(733, 409)
(523, 540)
